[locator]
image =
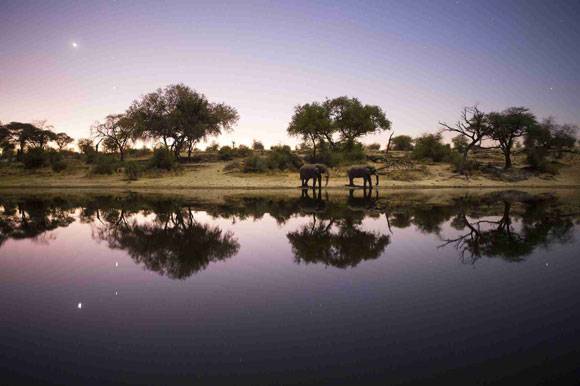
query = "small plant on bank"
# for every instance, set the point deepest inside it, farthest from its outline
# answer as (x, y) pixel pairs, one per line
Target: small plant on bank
(133, 170)
(163, 159)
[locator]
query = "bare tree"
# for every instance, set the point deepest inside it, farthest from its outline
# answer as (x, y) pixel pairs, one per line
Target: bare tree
(116, 132)
(473, 127)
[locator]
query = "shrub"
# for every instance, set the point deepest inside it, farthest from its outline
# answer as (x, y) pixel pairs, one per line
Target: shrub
(133, 170)
(226, 153)
(257, 145)
(57, 162)
(374, 147)
(213, 147)
(429, 146)
(242, 151)
(35, 158)
(353, 152)
(282, 158)
(402, 142)
(162, 158)
(104, 164)
(255, 164)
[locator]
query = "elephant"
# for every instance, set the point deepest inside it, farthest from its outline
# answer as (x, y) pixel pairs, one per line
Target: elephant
(364, 172)
(314, 171)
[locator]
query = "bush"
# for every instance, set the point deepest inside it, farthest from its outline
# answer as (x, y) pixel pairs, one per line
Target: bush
(255, 164)
(402, 142)
(353, 152)
(35, 158)
(257, 145)
(282, 158)
(213, 147)
(162, 158)
(57, 162)
(374, 147)
(104, 164)
(226, 153)
(429, 146)
(133, 170)
(242, 151)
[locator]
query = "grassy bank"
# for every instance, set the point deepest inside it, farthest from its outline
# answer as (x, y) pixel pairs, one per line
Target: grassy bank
(220, 175)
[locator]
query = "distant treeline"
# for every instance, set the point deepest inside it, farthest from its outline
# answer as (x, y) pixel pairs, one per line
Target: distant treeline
(177, 119)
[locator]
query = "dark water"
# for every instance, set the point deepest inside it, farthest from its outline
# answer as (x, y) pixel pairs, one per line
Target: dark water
(361, 289)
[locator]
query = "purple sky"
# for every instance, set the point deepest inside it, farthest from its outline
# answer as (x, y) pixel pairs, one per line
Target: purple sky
(421, 61)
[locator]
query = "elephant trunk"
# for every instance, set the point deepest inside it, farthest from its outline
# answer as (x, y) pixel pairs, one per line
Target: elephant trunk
(377, 176)
(327, 178)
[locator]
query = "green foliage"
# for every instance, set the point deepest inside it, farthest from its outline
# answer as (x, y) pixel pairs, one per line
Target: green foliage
(213, 147)
(226, 153)
(282, 158)
(35, 158)
(374, 147)
(104, 164)
(133, 170)
(162, 158)
(460, 143)
(242, 151)
(257, 145)
(255, 164)
(429, 146)
(402, 142)
(57, 162)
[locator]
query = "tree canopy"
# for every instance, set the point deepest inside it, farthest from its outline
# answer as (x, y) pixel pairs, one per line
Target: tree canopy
(180, 117)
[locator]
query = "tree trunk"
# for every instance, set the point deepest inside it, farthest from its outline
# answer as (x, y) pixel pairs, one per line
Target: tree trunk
(508, 159)
(122, 154)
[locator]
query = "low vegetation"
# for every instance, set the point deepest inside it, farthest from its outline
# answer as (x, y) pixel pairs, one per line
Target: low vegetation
(508, 145)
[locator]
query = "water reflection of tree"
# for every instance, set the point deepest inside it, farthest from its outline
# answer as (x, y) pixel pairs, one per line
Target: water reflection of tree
(509, 236)
(32, 218)
(174, 244)
(336, 241)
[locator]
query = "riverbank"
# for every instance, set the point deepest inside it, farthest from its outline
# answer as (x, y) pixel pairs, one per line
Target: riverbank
(216, 176)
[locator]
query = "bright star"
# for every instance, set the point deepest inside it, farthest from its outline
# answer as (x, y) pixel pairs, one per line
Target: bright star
(80, 305)
(74, 45)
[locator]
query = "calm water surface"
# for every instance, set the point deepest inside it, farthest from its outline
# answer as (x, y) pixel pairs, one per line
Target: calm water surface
(351, 289)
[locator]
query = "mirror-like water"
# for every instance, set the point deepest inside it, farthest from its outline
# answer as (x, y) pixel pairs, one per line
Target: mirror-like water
(248, 289)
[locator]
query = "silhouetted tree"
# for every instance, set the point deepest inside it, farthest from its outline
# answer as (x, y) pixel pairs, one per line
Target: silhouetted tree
(507, 126)
(117, 133)
(311, 122)
(62, 140)
(402, 142)
(180, 117)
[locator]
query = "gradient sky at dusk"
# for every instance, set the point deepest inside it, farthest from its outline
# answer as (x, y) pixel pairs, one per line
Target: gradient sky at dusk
(421, 61)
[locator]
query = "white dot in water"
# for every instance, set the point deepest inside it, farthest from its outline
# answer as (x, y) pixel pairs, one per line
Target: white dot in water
(116, 293)
(80, 305)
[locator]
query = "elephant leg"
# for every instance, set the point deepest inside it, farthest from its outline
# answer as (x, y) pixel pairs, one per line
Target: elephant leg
(350, 181)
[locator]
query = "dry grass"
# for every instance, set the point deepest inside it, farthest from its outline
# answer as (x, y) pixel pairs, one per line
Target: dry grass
(213, 176)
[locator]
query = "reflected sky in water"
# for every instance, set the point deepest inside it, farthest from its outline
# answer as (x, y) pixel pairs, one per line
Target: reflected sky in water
(365, 288)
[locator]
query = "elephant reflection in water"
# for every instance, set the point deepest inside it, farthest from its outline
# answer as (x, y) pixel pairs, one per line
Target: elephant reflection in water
(336, 242)
(538, 225)
(174, 244)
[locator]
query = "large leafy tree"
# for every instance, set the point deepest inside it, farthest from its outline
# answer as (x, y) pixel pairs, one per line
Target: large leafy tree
(180, 117)
(25, 135)
(117, 132)
(505, 127)
(352, 120)
(311, 122)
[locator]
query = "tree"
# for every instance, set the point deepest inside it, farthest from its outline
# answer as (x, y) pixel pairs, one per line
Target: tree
(180, 117)
(257, 145)
(353, 120)
(117, 132)
(563, 138)
(62, 140)
(24, 135)
(472, 128)
(430, 146)
(85, 145)
(311, 122)
(507, 126)
(402, 142)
